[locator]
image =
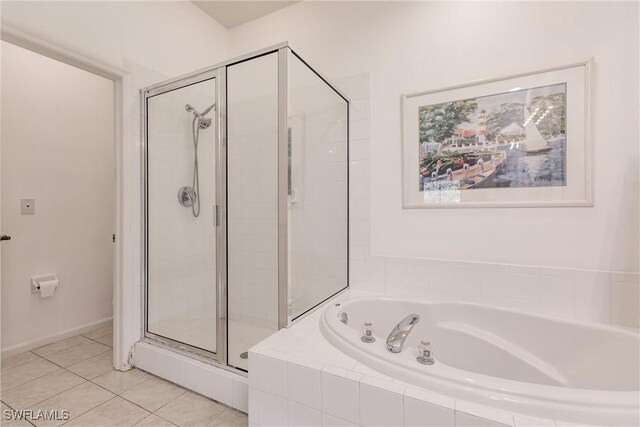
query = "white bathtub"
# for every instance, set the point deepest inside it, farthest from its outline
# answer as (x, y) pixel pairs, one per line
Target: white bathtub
(523, 363)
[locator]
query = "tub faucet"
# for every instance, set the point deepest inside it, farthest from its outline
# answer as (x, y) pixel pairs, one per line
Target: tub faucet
(396, 338)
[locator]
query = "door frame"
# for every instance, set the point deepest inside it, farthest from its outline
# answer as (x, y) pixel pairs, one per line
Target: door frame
(18, 36)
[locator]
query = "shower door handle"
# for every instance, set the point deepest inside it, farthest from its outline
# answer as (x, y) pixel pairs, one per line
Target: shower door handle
(4, 237)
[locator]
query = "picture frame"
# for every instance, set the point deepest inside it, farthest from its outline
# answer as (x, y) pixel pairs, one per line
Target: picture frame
(517, 141)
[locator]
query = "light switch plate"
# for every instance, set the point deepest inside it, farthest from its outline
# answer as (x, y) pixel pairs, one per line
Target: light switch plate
(28, 206)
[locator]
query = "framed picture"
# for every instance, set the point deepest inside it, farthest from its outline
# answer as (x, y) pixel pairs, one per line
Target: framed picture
(517, 141)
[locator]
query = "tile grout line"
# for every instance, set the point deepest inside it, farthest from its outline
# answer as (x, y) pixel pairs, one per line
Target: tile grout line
(98, 385)
(186, 390)
(159, 416)
(172, 400)
(220, 414)
(89, 410)
(225, 408)
(37, 378)
(50, 361)
(92, 357)
(95, 340)
(55, 352)
(72, 373)
(127, 400)
(197, 394)
(60, 368)
(149, 379)
(115, 394)
(22, 364)
(120, 394)
(57, 394)
(11, 407)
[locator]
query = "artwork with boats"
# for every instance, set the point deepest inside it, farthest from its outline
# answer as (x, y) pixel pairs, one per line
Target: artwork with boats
(515, 139)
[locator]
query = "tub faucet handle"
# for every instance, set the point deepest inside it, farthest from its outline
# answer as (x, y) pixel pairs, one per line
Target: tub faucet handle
(367, 333)
(425, 353)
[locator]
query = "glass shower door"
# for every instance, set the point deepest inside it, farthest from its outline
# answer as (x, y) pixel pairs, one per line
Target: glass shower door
(318, 215)
(181, 204)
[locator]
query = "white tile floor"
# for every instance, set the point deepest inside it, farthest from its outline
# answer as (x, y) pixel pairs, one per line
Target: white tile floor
(76, 374)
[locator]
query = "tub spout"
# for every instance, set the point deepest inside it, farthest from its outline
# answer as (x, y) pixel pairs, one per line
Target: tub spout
(396, 338)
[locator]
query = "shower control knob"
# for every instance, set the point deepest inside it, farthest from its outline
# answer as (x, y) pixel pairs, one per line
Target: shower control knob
(4, 237)
(186, 196)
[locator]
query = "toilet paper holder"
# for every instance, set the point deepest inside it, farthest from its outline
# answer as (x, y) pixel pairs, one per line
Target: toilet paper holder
(36, 280)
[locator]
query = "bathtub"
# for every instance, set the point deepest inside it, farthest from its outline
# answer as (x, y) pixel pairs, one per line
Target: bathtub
(583, 373)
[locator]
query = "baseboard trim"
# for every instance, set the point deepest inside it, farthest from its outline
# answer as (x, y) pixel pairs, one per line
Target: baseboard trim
(29, 345)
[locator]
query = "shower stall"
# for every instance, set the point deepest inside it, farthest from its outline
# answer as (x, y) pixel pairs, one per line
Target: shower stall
(245, 171)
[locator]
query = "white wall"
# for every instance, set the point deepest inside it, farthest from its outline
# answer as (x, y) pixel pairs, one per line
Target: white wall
(57, 148)
(409, 46)
(169, 38)
(153, 41)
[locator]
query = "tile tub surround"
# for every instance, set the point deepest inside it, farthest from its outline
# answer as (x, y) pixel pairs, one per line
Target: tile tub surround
(299, 378)
(97, 395)
(581, 295)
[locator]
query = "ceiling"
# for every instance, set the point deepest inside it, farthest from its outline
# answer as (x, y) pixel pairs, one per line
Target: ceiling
(234, 13)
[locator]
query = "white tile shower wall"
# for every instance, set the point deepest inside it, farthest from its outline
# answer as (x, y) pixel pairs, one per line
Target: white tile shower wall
(318, 208)
(181, 278)
(592, 296)
(252, 203)
(253, 214)
(573, 294)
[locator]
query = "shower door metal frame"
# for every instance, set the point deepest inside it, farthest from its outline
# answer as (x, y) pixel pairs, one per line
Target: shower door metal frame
(219, 72)
(219, 76)
(284, 163)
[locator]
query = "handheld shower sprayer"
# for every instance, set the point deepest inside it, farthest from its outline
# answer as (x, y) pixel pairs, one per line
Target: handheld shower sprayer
(190, 196)
(203, 122)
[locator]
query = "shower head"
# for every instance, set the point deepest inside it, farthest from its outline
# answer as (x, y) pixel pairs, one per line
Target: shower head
(203, 122)
(195, 112)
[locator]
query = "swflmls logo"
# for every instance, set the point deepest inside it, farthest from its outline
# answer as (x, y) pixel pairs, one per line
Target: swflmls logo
(42, 415)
